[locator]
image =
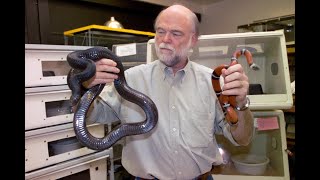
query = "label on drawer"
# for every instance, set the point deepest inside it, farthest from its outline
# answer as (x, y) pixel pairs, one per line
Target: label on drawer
(267, 123)
(126, 50)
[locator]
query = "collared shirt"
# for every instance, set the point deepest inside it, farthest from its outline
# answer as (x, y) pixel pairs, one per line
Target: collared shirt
(182, 145)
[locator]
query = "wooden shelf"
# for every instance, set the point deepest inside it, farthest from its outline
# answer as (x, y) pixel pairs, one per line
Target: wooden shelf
(291, 50)
(290, 142)
(292, 109)
(290, 43)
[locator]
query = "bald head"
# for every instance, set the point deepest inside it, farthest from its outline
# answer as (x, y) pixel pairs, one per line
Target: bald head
(181, 12)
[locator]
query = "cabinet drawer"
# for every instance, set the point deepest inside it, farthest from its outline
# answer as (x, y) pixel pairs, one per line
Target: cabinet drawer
(48, 146)
(45, 109)
(89, 167)
(46, 65)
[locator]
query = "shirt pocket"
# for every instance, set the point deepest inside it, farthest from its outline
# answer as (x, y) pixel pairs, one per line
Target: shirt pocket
(197, 130)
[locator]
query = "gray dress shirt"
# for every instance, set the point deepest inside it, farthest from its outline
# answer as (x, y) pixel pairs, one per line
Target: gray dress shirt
(182, 145)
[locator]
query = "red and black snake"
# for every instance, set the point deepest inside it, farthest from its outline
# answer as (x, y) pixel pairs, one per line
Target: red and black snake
(229, 103)
(83, 68)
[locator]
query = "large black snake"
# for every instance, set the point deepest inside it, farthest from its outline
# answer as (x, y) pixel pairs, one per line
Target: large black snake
(83, 68)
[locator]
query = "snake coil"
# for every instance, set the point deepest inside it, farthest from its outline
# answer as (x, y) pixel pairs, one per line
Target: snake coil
(83, 67)
(229, 102)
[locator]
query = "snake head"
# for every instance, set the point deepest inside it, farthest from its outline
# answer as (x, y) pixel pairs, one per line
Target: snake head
(254, 67)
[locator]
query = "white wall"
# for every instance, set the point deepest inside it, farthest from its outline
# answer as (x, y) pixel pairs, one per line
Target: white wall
(190, 4)
(226, 15)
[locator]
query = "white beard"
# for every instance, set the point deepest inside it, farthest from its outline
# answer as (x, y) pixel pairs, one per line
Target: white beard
(174, 57)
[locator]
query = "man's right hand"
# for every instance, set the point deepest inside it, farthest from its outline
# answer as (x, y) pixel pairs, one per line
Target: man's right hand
(105, 73)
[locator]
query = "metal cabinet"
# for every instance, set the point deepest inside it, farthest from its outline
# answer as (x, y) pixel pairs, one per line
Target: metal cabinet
(51, 149)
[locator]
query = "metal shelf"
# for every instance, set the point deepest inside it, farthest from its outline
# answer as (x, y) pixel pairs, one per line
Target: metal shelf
(105, 36)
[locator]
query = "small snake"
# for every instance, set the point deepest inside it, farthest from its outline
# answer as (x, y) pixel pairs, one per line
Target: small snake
(83, 68)
(229, 102)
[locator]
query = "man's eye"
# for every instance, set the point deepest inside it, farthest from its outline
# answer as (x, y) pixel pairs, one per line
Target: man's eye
(160, 32)
(177, 34)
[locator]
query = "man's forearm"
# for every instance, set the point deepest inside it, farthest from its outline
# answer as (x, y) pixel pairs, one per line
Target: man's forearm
(242, 132)
(102, 112)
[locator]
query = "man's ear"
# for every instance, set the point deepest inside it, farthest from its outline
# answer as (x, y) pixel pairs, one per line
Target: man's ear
(194, 40)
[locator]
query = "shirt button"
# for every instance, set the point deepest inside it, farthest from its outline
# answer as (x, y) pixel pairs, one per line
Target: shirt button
(179, 172)
(174, 129)
(173, 107)
(176, 152)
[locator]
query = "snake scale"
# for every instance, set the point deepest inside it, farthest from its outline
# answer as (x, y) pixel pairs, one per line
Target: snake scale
(82, 63)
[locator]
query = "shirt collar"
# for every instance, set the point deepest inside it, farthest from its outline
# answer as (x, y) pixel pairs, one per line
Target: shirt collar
(168, 70)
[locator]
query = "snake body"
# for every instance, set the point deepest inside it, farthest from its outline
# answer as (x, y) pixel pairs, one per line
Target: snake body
(82, 64)
(229, 103)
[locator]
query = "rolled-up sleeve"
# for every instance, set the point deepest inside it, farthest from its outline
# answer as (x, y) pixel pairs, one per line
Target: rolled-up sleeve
(221, 126)
(106, 106)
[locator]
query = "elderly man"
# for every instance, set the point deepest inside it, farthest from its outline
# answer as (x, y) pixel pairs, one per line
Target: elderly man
(183, 144)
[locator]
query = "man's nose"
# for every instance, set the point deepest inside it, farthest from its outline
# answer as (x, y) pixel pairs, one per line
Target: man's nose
(167, 37)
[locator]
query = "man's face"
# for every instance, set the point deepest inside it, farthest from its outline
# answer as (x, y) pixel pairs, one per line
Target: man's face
(174, 38)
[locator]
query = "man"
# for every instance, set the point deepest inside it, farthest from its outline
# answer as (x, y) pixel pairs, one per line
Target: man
(182, 145)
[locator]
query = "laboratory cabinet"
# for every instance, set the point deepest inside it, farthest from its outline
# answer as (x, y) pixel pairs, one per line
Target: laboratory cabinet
(266, 157)
(52, 150)
(131, 54)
